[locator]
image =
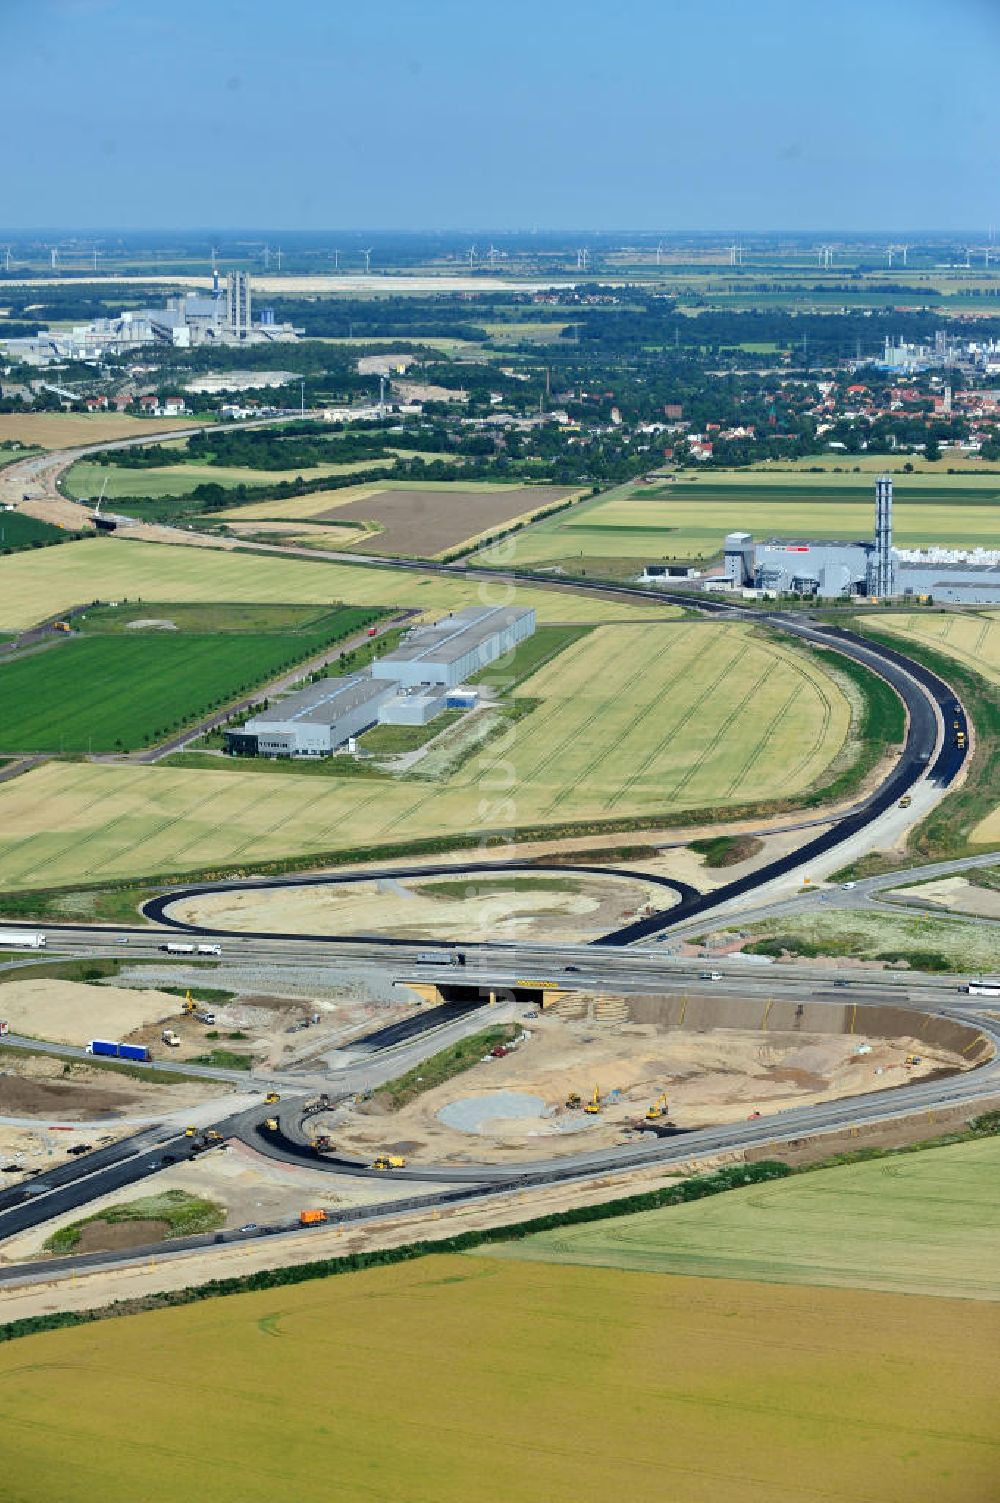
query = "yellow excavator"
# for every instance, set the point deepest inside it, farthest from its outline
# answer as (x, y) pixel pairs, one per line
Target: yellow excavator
(659, 1108)
(574, 1101)
(190, 1005)
(594, 1104)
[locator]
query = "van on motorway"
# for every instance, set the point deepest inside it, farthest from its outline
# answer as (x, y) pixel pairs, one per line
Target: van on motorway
(710, 976)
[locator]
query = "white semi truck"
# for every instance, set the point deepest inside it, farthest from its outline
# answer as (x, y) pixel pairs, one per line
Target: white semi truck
(23, 939)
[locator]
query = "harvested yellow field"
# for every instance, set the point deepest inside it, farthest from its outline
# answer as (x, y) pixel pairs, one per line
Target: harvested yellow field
(469, 1380)
(630, 720)
(37, 584)
(972, 639)
(66, 430)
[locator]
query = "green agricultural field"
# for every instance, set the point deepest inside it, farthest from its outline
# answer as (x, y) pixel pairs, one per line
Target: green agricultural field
(19, 531)
(108, 692)
(203, 616)
(688, 519)
(916, 1223)
(628, 721)
(934, 942)
(43, 582)
(87, 479)
(972, 639)
(469, 1380)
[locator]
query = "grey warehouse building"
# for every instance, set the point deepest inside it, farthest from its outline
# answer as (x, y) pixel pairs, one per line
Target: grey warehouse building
(314, 721)
(407, 687)
(450, 650)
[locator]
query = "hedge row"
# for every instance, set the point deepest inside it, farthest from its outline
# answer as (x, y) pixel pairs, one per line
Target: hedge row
(697, 1188)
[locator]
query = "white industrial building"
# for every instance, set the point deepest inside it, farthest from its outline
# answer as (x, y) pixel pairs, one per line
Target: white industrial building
(410, 686)
(450, 650)
(223, 316)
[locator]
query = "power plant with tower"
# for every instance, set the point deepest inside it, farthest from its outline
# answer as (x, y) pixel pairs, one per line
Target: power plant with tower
(875, 570)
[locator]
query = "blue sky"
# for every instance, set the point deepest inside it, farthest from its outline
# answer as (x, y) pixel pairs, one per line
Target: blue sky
(412, 114)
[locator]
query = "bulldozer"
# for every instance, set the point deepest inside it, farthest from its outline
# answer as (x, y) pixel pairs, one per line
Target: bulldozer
(594, 1104)
(658, 1108)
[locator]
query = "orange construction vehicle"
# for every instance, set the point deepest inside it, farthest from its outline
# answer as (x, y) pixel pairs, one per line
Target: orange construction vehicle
(312, 1218)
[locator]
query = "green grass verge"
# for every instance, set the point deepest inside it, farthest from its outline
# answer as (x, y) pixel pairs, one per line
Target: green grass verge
(480, 884)
(394, 740)
(182, 1214)
(223, 1059)
(933, 943)
(727, 850)
(102, 905)
(444, 1066)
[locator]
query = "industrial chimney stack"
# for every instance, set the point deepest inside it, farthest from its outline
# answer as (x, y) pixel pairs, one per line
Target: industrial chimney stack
(883, 580)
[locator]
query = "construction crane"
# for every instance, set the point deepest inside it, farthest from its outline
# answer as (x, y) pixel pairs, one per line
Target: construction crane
(659, 1108)
(594, 1104)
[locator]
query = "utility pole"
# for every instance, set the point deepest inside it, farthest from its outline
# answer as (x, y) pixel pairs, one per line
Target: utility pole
(302, 398)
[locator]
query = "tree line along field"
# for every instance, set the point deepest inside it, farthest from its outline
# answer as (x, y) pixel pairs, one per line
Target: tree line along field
(688, 518)
(627, 721)
(87, 480)
(914, 1223)
(45, 582)
(580, 1382)
(118, 692)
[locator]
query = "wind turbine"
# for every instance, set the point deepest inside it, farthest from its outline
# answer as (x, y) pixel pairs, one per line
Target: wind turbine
(277, 256)
(336, 260)
(368, 258)
(472, 256)
(54, 256)
(659, 253)
(491, 254)
(736, 254)
(6, 258)
(582, 258)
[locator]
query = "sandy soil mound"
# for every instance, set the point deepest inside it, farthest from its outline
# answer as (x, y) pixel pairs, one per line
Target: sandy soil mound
(71, 1012)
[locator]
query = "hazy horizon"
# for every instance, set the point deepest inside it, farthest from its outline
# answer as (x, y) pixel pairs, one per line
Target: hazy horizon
(402, 118)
